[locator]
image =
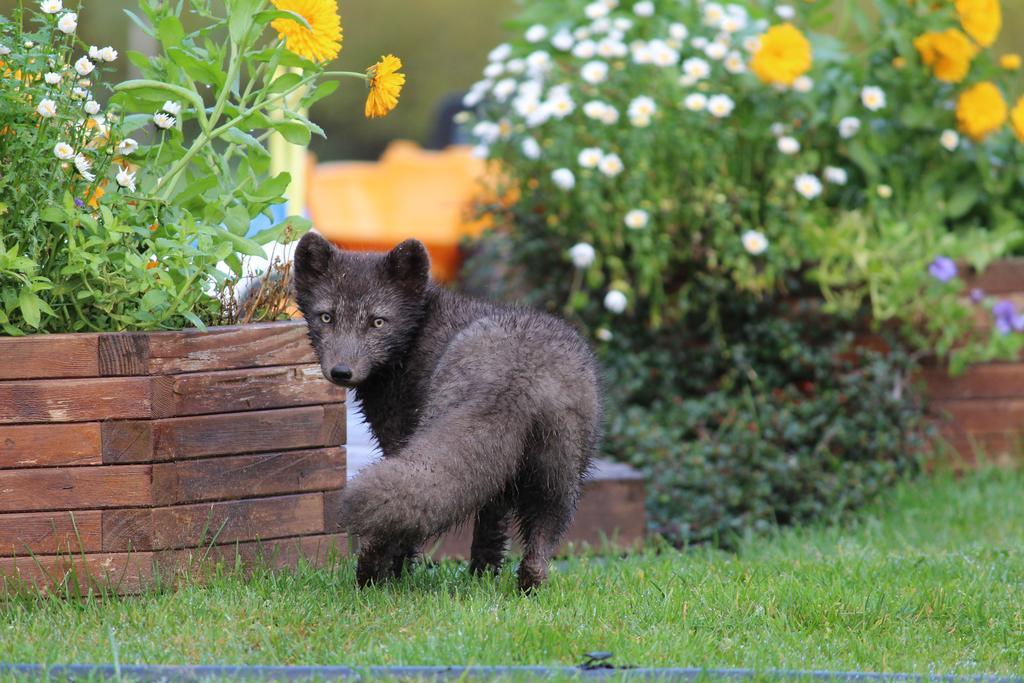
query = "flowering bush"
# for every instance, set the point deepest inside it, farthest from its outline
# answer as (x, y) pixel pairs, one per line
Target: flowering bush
(117, 216)
(678, 137)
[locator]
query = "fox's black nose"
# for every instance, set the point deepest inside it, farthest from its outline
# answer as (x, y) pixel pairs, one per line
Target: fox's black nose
(341, 373)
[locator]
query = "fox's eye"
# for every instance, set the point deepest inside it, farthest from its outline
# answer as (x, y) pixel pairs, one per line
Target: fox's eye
(326, 318)
(378, 322)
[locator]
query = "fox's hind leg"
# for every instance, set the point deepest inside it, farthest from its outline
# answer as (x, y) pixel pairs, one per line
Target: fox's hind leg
(543, 520)
(490, 537)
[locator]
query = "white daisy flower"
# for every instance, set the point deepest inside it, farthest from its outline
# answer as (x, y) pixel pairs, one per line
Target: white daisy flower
(884, 191)
(609, 48)
(714, 13)
(642, 106)
(734, 63)
(47, 108)
(500, 53)
(594, 109)
(585, 49)
(637, 219)
(52, 78)
(108, 54)
(51, 6)
(696, 101)
(644, 8)
(696, 68)
(563, 40)
(29, 45)
(662, 54)
(789, 145)
(594, 72)
(622, 24)
(163, 120)
(700, 42)
(92, 107)
(127, 146)
(611, 165)
(720, 106)
(494, 69)
(486, 132)
(84, 166)
(610, 116)
(803, 84)
(785, 12)
(836, 175)
(530, 148)
(536, 33)
(67, 23)
(754, 242)
(79, 93)
(84, 67)
(678, 31)
(752, 44)
(563, 178)
(615, 301)
(777, 129)
(848, 127)
(590, 157)
(950, 140)
(596, 10)
(503, 89)
(604, 334)
(94, 53)
(4, 50)
(581, 33)
(63, 151)
(873, 97)
(561, 106)
(582, 255)
(480, 152)
(716, 50)
(808, 186)
(526, 105)
(733, 23)
(126, 179)
(538, 62)
(515, 66)
(642, 53)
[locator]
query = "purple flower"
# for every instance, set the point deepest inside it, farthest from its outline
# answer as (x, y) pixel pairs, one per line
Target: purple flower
(977, 295)
(1007, 319)
(79, 203)
(942, 269)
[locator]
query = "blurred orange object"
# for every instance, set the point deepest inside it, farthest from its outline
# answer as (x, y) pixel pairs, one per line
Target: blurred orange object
(410, 192)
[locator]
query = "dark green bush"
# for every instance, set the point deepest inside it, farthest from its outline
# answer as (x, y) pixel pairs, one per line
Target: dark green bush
(744, 414)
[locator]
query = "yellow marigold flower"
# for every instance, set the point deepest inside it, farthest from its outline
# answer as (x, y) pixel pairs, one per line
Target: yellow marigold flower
(949, 53)
(323, 42)
(385, 86)
(982, 19)
(981, 110)
(783, 56)
(1017, 119)
(1010, 61)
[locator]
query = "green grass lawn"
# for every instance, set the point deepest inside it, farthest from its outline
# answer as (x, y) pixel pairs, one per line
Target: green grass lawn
(929, 580)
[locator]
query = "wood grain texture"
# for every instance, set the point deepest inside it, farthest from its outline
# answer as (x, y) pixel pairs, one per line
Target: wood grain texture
(127, 530)
(983, 415)
(123, 354)
(277, 554)
(50, 445)
(247, 476)
(1001, 277)
(225, 434)
(75, 488)
(254, 389)
(76, 400)
(992, 380)
(50, 533)
(226, 348)
(123, 573)
(49, 355)
(186, 526)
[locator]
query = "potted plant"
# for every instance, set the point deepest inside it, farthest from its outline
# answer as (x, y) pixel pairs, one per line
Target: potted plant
(133, 426)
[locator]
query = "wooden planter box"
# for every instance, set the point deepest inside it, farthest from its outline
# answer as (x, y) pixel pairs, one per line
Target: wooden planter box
(980, 413)
(123, 454)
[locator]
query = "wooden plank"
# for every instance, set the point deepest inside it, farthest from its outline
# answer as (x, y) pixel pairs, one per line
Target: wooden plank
(186, 526)
(1001, 277)
(247, 476)
(123, 573)
(227, 348)
(226, 434)
(277, 554)
(123, 353)
(50, 445)
(75, 488)
(333, 523)
(49, 355)
(76, 400)
(991, 380)
(982, 415)
(127, 530)
(52, 533)
(231, 391)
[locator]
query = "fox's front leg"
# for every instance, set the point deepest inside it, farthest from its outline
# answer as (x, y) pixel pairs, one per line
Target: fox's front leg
(376, 562)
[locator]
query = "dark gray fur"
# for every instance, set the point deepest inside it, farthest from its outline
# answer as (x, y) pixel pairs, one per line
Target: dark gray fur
(481, 411)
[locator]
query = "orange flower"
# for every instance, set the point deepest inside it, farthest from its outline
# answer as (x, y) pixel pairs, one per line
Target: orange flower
(949, 53)
(94, 198)
(981, 111)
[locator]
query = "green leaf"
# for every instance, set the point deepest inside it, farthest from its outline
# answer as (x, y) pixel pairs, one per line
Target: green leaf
(155, 90)
(295, 133)
(284, 83)
(299, 226)
(133, 122)
(244, 246)
(863, 158)
(194, 319)
(241, 17)
(53, 214)
(283, 58)
(170, 32)
(197, 69)
(963, 200)
(28, 302)
(236, 218)
(269, 15)
(272, 190)
(323, 90)
(241, 138)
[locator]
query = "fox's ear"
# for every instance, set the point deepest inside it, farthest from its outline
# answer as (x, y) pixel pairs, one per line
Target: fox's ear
(409, 264)
(312, 257)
